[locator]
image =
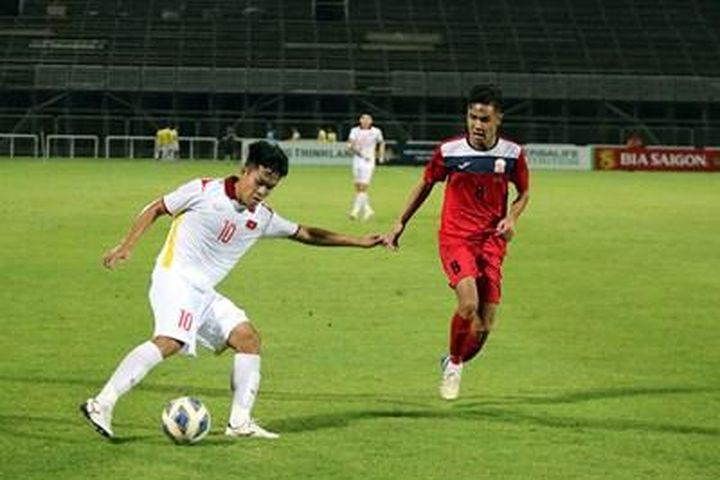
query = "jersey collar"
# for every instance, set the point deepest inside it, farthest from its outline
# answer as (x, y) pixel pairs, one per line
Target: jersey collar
(230, 187)
(497, 140)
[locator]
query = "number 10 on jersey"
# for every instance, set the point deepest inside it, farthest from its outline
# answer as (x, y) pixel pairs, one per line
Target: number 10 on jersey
(227, 232)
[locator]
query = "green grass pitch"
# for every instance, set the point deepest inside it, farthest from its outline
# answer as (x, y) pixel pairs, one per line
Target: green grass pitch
(605, 363)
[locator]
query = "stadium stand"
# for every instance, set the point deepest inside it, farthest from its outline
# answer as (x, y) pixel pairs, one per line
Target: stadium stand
(658, 37)
(384, 56)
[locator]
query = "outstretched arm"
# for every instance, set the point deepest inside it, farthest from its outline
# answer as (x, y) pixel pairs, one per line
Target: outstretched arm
(327, 238)
(145, 218)
(418, 195)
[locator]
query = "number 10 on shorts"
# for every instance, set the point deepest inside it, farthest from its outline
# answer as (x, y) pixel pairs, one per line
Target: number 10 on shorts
(186, 320)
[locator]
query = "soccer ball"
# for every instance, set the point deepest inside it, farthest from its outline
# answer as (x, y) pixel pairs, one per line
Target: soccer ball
(186, 420)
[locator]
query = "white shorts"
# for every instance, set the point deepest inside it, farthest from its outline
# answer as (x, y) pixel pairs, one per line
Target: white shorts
(165, 151)
(362, 170)
(190, 314)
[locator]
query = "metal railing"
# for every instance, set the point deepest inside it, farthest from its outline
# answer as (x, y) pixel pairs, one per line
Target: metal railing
(191, 146)
(52, 139)
(11, 140)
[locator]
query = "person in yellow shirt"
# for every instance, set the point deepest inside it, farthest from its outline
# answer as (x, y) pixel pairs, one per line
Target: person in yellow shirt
(162, 143)
(331, 135)
(174, 149)
(158, 143)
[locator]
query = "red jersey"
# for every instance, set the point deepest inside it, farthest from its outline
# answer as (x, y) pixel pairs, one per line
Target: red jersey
(476, 193)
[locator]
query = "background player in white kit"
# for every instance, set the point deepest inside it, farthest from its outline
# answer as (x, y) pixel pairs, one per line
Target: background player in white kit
(215, 222)
(364, 141)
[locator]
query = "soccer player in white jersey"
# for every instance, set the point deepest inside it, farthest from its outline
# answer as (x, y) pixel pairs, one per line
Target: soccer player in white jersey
(364, 141)
(215, 222)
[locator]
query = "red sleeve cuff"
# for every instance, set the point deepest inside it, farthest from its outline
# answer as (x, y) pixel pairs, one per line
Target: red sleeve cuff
(162, 200)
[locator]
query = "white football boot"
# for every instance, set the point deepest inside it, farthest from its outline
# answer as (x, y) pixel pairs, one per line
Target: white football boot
(250, 429)
(450, 382)
(99, 416)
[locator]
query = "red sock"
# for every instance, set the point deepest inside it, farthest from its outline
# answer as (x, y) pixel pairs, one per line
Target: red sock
(472, 345)
(459, 330)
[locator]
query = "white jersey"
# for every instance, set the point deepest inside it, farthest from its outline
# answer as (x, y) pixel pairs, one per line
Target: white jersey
(211, 230)
(366, 141)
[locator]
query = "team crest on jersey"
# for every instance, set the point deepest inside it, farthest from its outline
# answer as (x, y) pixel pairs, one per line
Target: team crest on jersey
(500, 165)
(251, 224)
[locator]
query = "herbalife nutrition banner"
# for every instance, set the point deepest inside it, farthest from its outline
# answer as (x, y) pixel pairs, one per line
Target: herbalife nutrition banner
(539, 156)
(658, 159)
(557, 157)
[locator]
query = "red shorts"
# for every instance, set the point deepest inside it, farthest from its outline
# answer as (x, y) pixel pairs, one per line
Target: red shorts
(481, 260)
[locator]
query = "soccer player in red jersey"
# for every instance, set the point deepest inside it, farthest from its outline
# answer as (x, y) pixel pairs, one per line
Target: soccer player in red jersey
(476, 223)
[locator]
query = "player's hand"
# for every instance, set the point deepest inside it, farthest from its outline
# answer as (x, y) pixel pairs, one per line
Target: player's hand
(392, 238)
(371, 240)
(115, 255)
(506, 228)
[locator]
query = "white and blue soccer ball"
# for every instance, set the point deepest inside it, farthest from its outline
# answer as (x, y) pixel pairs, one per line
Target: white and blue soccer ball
(186, 420)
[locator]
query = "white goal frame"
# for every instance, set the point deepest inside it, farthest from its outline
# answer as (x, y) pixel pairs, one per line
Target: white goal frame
(13, 136)
(72, 139)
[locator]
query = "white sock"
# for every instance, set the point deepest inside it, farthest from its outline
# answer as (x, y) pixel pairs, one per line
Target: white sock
(245, 384)
(357, 205)
(131, 370)
(453, 368)
(366, 202)
(363, 200)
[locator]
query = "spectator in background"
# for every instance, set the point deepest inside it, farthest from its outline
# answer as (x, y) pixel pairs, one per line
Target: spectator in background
(174, 148)
(294, 134)
(331, 135)
(270, 132)
(322, 135)
(162, 143)
(230, 144)
(634, 140)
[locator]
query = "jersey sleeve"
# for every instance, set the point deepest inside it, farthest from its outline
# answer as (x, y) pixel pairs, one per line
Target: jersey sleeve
(353, 135)
(435, 170)
(184, 198)
(280, 227)
(380, 137)
(521, 176)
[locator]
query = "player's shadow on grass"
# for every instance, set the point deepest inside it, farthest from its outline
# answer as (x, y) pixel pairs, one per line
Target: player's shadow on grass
(491, 415)
(44, 428)
(580, 396)
(510, 410)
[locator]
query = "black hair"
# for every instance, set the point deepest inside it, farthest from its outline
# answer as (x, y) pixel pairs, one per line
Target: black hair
(489, 94)
(267, 155)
